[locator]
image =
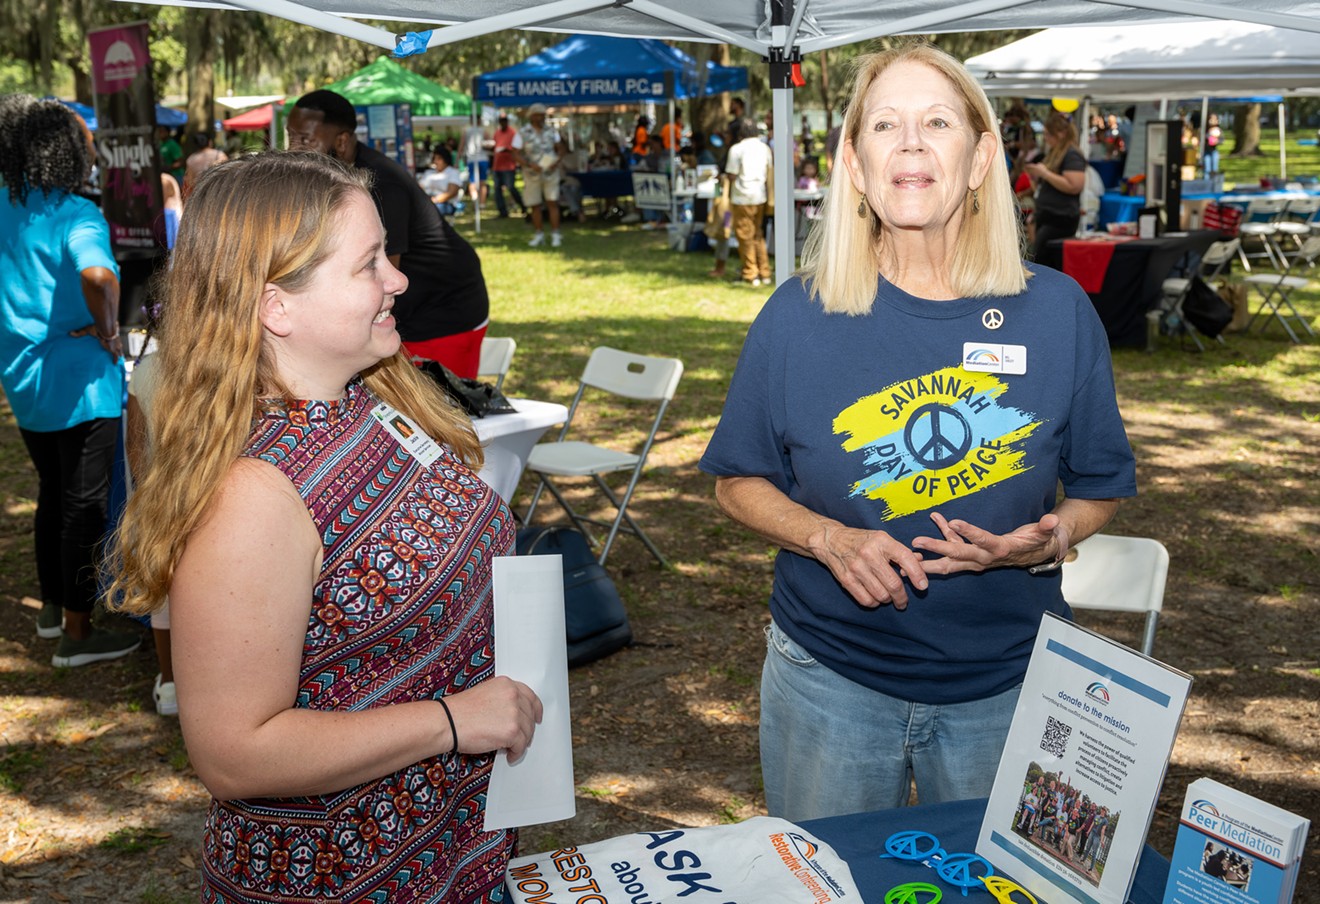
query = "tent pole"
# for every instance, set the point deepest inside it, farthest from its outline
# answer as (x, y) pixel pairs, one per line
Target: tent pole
(1241, 13)
(1200, 145)
(673, 171)
(1283, 150)
(547, 12)
(691, 23)
(784, 16)
(1084, 132)
(296, 12)
(924, 22)
(785, 227)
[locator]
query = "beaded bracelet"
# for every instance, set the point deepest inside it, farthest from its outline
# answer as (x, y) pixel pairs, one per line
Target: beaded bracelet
(450, 716)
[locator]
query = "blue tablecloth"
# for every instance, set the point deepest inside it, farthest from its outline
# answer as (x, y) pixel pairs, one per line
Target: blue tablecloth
(1116, 208)
(860, 840)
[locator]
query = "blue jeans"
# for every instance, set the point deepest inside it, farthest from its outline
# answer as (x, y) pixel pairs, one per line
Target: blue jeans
(830, 746)
(504, 180)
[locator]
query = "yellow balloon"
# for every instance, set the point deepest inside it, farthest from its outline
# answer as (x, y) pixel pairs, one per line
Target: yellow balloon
(1065, 104)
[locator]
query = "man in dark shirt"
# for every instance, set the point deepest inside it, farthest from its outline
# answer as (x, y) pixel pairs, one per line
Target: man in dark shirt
(443, 314)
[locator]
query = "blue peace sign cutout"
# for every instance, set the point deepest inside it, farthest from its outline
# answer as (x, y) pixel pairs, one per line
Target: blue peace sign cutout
(913, 893)
(960, 870)
(908, 846)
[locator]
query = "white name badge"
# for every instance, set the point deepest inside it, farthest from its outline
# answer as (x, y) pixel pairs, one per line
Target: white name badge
(409, 435)
(989, 358)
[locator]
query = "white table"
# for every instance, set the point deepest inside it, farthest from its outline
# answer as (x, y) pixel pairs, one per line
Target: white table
(508, 440)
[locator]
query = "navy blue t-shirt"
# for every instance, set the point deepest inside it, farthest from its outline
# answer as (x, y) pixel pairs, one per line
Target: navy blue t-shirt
(877, 421)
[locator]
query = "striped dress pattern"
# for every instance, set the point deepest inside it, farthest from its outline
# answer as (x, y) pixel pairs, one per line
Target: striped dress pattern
(401, 611)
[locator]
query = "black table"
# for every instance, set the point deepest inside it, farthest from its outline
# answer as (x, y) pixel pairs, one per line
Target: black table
(1133, 282)
(860, 840)
(605, 183)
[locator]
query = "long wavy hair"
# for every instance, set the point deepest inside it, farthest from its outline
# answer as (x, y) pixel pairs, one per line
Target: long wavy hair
(264, 218)
(1064, 133)
(842, 258)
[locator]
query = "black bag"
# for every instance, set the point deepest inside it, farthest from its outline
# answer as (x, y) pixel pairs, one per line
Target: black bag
(476, 398)
(594, 617)
(1205, 309)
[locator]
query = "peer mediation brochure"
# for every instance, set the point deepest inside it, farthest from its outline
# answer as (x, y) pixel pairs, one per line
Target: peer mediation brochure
(1091, 736)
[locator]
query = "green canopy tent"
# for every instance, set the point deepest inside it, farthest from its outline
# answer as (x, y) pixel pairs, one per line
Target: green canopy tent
(386, 82)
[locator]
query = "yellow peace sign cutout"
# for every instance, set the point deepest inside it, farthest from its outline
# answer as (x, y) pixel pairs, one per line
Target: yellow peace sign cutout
(1003, 890)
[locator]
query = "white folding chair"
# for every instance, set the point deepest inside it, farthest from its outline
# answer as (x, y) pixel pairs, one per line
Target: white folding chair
(1175, 289)
(1123, 574)
(1297, 221)
(496, 358)
(624, 374)
(1260, 222)
(1274, 289)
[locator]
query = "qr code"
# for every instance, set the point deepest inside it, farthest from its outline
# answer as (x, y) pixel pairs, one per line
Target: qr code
(1055, 739)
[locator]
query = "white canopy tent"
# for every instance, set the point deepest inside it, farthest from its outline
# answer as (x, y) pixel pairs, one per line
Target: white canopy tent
(1154, 61)
(1170, 61)
(779, 30)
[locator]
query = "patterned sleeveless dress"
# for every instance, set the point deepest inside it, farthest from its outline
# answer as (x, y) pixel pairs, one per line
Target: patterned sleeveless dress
(401, 611)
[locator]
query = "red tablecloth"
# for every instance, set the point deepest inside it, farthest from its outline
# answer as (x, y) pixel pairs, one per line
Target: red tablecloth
(1087, 261)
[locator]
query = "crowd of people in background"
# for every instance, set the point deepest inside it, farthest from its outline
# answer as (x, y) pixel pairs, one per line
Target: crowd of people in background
(530, 165)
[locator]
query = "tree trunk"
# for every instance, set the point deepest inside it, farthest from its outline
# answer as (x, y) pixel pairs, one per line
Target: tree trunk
(1246, 132)
(200, 26)
(709, 113)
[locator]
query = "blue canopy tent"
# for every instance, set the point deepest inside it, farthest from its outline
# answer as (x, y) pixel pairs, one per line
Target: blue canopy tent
(165, 116)
(595, 69)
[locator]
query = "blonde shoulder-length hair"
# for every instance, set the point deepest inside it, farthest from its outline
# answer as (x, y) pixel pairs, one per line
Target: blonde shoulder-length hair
(265, 218)
(842, 256)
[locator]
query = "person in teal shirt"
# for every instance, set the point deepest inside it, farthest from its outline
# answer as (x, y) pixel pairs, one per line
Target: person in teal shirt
(60, 361)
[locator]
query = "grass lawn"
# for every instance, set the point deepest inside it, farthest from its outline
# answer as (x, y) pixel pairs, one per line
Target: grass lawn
(1302, 160)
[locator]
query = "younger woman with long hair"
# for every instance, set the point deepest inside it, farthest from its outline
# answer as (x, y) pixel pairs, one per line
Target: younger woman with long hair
(329, 575)
(1059, 179)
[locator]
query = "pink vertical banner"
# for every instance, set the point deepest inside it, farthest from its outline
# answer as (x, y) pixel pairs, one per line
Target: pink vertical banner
(126, 150)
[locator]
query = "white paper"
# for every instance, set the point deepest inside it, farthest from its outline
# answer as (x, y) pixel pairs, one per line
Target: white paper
(531, 646)
(1100, 719)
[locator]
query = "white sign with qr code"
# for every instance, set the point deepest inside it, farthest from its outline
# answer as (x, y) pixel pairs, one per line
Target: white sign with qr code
(1082, 767)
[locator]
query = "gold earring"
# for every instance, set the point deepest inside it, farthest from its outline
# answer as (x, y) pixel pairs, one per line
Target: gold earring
(976, 202)
(862, 210)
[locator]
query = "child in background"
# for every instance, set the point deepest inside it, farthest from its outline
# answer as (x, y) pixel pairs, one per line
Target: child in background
(809, 175)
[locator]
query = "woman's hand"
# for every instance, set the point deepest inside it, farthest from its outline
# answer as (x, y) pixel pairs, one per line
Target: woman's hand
(1036, 171)
(869, 564)
(499, 714)
(966, 547)
(113, 345)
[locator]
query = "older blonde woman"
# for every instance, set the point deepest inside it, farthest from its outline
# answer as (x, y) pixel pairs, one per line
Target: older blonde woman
(329, 574)
(898, 423)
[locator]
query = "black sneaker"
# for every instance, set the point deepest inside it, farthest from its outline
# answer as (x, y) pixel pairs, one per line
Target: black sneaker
(96, 647)
(50, 621)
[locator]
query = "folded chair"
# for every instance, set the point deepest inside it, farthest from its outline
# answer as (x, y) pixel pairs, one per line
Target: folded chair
(1297, 222)
(619, 373)
(1275, 289)
(1260, 222)
(496, 358)
(1123, 574)
(1175, 289)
